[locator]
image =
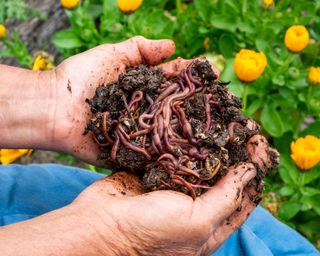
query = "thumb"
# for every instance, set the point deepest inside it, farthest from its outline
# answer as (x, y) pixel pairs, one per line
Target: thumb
(138, 50)
(226, 195)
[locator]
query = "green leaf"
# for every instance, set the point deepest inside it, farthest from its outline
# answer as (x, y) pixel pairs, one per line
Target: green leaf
(309, 191)
(289, 209)
(202, 8)
(261, 44)
(153, 24)
(307, 177)
(292, 170)
(310, 54)
(95, 10)
(98, 169)
(226, 45)
(244, 7)
(278, 80)
(6, 53)
(271, 121)
(228, 23)
(67, 39)
(228, 75)
(305, 206)
(69, 159)
(254, 106)
(285, 176)
(110, 8)
(282, 144)
(314, 201)
(310, 227)
(247, 28)
(286, 190)
(203, 30)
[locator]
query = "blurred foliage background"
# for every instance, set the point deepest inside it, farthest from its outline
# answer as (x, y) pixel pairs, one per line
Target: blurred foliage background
(282, 99)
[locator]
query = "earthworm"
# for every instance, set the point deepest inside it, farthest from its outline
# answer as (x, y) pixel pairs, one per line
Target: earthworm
(133, 147)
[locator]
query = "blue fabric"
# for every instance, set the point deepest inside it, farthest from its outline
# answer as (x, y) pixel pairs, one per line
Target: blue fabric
(29, 191)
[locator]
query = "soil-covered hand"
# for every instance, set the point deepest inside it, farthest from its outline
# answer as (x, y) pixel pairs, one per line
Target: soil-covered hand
(77, 79)
(167, 222)
(172, 223)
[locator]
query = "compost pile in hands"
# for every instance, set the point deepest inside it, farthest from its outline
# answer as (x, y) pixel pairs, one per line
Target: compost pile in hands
(180, 133)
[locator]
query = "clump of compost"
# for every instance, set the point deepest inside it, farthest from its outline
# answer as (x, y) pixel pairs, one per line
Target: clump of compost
(180, 133)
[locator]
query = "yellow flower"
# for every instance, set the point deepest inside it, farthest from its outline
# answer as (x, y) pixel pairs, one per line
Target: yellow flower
(42, 61)
(70, 4)
(249, 65)
(296, 38)
(314, 75)
(8, 156)
(267, 3)
(305, 152)
(39, 64)
(3, 31)
(128, 6)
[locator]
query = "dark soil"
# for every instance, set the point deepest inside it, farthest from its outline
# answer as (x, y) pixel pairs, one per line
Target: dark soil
(179, 134)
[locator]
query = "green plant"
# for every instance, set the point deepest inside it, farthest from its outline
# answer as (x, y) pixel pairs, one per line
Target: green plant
(14, 47)
(17, 10)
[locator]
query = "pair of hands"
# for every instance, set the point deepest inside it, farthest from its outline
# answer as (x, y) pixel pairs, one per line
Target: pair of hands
(156, 223)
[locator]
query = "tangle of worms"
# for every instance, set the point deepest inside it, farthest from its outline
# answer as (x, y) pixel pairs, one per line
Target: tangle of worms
(159, 129)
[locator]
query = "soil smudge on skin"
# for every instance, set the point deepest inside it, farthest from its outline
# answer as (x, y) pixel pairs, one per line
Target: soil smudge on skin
(69, 87)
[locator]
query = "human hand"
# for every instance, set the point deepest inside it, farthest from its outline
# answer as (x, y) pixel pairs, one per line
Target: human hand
(169, 222)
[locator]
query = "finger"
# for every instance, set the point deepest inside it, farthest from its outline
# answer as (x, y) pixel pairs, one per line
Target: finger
(139, 50)
(119, 184)
(261, 154)
(229, 226)
(226, 195)
(173, 68)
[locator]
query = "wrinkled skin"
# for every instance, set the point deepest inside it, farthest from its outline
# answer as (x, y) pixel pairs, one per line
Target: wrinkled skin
(156, 223)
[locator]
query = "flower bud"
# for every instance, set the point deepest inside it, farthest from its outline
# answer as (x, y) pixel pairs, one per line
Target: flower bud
(314, 75)
(129, 6)
(42, 61)
(249, 65)
(267, 4)
(3, 31)
(70, 4)
(296, 38)
(293, 72)
(305, 152)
